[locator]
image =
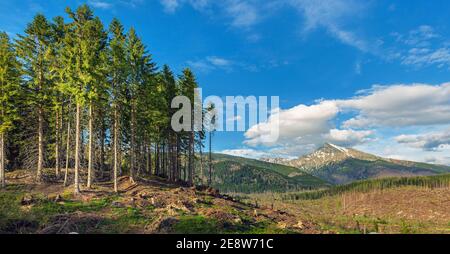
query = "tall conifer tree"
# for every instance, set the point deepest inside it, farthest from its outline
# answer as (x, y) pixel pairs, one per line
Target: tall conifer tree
(9, 92)
(34, 50)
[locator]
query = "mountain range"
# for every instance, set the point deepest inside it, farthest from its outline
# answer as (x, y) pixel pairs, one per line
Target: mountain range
(340, 165)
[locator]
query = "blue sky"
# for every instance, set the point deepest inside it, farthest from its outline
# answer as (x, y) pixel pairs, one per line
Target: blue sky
(366, 74)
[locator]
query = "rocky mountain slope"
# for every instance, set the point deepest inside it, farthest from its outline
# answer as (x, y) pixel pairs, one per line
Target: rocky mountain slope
(340, 165)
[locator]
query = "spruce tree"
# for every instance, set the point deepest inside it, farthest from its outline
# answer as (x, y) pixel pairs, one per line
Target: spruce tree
(9, 92)
(140, 66)
(188, 84)
(34, 49)
(170, 92)
(83, 56)
(57, 76)
(118, 72)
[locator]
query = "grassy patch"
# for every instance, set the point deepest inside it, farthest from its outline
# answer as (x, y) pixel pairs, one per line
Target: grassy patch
(125, 220)
(196, 225)
(202, 225)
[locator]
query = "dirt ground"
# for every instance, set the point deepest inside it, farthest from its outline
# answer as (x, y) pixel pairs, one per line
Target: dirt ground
(151, 205)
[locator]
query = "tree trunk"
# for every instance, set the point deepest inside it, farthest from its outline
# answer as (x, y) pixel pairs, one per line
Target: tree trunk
(116, 147)
(163, 159)
(178, 155)
(150, 164)
(77, 149)
(191, 158)
(172, 157)
(67, 153)
(147, 157)
(57, 141)
(185, 179)
(91, 148)
(102, 149)
(2, 161)
(201, 166)
(157, 165)
(133, 141)
(40, 145)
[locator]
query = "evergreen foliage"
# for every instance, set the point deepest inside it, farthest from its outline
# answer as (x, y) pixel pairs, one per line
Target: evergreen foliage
(90, 98)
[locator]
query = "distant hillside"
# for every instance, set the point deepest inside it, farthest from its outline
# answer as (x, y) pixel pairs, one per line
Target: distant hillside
(237, 174)
(340, 165)
(438, 181)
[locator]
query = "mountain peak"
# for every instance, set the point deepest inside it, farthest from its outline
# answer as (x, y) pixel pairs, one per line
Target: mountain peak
(339, 165)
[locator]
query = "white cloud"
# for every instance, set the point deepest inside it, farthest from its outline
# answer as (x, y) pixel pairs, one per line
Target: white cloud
(428, 141)
(422, 47)
(217, 61)
(420, 57)
(390, 148)
(100, 4)
(170, 6)
(419, 47)
(305, 127)
(420, 36)
(211, 63)
(400, 105)
(244, 14)
(333, 16)
(300, 124)
(132, 3)
(349, 137)
(112, 4)
(247, 152)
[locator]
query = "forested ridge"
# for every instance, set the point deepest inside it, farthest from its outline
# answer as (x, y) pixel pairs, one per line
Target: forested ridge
(430, 182)
(79, 97)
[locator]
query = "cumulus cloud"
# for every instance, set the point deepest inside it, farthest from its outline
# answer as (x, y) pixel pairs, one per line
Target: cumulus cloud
(400, 105)
(349, 137)
(428, 141)
(304, 127)
(299, 124)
